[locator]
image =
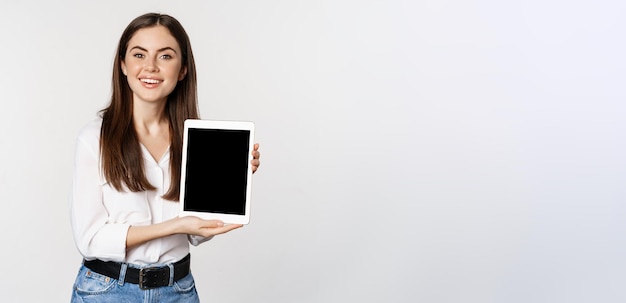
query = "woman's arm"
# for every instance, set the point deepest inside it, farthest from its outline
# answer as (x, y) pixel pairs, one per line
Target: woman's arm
(180, 225)
(93, 234)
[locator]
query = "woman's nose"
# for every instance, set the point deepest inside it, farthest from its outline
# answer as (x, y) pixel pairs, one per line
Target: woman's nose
(150, 65)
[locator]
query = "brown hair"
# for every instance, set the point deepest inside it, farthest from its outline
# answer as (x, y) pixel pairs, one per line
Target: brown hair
(121, 152)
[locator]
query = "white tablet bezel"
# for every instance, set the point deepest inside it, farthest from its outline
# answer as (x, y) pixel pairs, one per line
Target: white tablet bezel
(224, 125)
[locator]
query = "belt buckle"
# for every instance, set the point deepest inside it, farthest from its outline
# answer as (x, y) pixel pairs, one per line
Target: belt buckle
(149, 277)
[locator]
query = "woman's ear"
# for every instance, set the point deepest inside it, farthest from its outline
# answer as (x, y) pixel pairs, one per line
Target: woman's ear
(183, 73)
(123, 66)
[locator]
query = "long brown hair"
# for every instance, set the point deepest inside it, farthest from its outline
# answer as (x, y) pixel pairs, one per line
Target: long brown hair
(122, 161)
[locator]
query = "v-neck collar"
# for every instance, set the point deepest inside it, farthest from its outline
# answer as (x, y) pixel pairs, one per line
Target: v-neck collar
(146, 155)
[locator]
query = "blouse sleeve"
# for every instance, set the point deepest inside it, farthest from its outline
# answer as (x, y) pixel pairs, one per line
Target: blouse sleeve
(197, 240)
(94, 235)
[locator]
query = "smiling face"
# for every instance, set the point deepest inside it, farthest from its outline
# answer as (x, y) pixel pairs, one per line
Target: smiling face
(153, 64)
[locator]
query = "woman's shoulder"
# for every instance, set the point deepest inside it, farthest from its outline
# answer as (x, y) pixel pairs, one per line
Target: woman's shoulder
(90, 132)
(92, 127)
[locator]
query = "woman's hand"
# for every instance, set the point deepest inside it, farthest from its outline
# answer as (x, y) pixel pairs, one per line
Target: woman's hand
(256, 155)
(206, 228)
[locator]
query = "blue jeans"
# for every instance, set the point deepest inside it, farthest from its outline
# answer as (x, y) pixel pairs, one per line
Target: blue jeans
(94, 287)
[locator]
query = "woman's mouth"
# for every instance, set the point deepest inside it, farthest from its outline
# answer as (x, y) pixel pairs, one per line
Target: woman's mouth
(150, 81)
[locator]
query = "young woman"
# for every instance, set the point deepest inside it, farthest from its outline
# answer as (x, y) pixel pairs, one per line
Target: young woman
(124, 208)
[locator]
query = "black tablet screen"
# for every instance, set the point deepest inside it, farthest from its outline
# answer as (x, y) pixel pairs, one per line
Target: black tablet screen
(216, 170)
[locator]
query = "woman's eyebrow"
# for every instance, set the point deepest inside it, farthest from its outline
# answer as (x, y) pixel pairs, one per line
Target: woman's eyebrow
(159, 50)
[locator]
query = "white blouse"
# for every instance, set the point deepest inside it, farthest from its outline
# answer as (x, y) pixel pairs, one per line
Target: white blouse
(101, 215)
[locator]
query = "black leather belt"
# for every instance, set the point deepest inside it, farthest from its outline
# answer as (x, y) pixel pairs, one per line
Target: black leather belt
(147, 277)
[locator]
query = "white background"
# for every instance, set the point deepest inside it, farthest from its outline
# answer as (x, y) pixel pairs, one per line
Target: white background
(413, 151)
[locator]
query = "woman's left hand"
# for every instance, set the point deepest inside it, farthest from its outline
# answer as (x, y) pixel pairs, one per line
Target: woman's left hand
(256, 155)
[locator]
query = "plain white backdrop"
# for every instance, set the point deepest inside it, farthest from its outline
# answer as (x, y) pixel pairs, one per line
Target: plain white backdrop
(412, 151)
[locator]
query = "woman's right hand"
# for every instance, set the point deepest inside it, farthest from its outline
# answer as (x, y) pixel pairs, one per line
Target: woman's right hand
(206, 228)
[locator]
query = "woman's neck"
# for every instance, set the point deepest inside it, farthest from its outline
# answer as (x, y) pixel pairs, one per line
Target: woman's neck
(148, 115)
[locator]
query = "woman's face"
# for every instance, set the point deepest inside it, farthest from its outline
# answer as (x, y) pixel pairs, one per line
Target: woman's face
(153, 64)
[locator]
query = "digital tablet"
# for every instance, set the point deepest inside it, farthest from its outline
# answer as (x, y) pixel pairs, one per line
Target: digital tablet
(216, 173)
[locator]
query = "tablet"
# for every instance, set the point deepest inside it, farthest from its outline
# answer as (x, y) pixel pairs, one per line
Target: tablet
(216, 173)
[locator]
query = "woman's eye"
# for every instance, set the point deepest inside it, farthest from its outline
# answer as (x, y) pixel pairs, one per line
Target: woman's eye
(166, 57)
(139, 56)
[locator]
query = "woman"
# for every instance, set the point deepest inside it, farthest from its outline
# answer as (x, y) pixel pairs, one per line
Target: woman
(124, 208)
